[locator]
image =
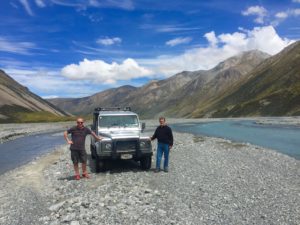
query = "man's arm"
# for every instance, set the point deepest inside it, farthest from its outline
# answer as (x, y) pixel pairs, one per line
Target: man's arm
(67, 139)
(154, 135)
(171, 138)
(96, 136)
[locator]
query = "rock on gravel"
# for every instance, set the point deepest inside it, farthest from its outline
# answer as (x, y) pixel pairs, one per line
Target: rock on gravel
(211, 181)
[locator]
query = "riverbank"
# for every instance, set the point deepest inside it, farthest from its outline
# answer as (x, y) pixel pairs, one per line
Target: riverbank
(15, 130)
(211, 181)
(12, 131)
(288, 121)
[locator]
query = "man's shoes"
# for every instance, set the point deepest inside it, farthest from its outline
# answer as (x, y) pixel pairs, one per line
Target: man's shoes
(166, 170)
(85, 175)
(77, 177)
(156, 170)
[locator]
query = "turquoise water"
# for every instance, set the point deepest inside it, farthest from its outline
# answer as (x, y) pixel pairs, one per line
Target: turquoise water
(284, 139)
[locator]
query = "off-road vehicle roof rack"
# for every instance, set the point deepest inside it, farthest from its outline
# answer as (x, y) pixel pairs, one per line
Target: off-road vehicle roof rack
(112, 109)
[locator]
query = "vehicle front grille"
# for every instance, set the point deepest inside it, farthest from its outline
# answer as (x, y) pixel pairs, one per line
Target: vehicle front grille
(126, 145)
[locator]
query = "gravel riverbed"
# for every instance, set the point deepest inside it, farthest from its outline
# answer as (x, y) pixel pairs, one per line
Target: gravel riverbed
(211, 181)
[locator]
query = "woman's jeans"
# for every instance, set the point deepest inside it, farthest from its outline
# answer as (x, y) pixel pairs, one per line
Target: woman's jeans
(162, 149)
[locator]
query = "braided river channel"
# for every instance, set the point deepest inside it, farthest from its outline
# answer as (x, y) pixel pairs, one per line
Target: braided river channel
(281, 138)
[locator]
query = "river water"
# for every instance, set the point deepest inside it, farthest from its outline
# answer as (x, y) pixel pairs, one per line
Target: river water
(282, 138)
(22, 150)
(285, 139)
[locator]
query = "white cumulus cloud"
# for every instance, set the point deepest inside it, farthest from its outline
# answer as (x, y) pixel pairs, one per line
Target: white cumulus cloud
(109, 41)
(100, 71)
(211, 37)
(178, 41)
(258, 11)
(296, 1)
(57, 85)
(266, 39)
(220, 47)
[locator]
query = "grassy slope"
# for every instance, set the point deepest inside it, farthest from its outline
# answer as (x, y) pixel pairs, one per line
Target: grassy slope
(18, 114)
(273, 89)
(228, 73)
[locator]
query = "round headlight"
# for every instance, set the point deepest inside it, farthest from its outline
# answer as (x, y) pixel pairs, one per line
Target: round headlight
(142, 144)
(108, 146)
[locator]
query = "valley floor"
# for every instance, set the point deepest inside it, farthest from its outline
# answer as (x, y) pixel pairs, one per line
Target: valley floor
(211, 181)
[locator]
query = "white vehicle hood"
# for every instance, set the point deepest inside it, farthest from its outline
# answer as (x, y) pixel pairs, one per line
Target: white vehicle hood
(120, 133)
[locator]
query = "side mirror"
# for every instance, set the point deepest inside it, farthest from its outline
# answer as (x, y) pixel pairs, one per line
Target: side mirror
(143, 126)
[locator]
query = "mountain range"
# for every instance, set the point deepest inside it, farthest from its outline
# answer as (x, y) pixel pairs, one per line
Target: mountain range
(252, 83)
(17, 101)
(180, 95)
(271, 89)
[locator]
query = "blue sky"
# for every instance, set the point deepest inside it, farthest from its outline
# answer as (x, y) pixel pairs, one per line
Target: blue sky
(64, 48)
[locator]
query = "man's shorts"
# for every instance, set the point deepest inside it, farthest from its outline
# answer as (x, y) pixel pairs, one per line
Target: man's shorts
(78, 156)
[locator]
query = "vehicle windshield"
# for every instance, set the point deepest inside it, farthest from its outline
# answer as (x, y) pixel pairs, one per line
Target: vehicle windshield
(118, 121)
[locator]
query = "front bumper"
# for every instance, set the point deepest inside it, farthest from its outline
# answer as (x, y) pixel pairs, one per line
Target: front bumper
(116, 149)
(135, 156)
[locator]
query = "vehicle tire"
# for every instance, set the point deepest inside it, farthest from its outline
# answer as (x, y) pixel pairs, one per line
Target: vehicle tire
(101, 165)
(146, 162)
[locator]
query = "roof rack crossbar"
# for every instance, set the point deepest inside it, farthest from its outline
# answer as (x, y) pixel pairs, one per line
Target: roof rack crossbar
(112, 109)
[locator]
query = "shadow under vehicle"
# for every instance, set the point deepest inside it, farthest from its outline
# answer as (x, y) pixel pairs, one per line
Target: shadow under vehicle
(122, 138)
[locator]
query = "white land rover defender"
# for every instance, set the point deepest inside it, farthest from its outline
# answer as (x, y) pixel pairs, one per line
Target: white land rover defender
(123, 138)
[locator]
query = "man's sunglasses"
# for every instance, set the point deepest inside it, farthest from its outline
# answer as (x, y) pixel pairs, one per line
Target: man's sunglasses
(80, 122)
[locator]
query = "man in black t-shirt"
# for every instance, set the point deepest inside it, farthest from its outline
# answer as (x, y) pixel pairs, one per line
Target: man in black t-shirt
(164, 136)
(77, 146)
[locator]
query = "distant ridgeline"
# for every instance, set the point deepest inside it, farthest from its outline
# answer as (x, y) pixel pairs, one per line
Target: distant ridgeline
(18, 104)
(252, 83)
